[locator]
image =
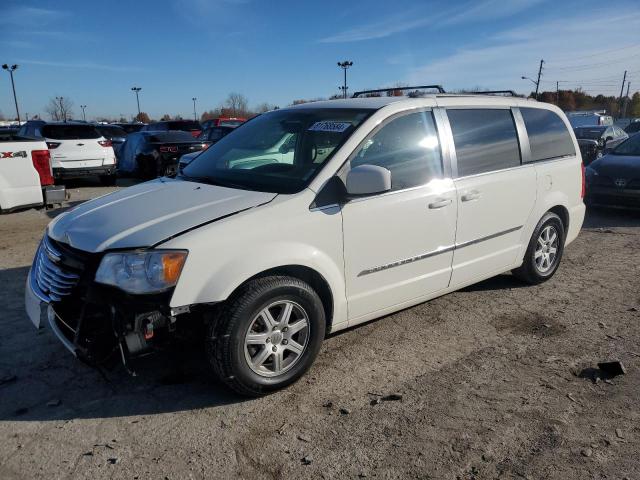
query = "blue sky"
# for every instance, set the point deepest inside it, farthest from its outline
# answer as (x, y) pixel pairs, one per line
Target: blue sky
(277, 51)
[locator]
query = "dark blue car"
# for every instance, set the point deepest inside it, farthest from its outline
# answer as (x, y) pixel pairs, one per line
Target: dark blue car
(614, 179)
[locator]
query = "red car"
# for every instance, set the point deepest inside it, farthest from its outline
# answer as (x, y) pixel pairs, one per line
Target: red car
(223, 122)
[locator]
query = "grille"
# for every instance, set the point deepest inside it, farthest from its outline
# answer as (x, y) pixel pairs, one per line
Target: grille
(53, 278)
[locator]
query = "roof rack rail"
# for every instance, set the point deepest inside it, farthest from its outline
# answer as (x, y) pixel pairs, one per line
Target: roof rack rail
(494, 92)
(395, 89)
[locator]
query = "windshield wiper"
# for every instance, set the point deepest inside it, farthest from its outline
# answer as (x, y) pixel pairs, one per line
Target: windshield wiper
(213, 181)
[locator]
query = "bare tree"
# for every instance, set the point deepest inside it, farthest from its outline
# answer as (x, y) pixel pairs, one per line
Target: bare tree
(59, 108)
(265, 107)
(237, 103)
(1, 116)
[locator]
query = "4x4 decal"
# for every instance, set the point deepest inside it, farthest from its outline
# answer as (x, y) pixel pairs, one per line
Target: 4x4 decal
(21, 153)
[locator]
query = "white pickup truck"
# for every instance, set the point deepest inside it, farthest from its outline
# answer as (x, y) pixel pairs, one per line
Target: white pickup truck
(26, 179)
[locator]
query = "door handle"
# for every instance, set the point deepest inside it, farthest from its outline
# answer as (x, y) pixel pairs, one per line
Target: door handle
(470, 196)
(439, 203)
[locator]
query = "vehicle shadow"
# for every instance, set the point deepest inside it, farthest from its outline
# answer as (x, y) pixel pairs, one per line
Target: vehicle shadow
(599, 217)
(41, 380)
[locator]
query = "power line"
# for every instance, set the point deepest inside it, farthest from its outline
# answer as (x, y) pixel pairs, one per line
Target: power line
(603, 52)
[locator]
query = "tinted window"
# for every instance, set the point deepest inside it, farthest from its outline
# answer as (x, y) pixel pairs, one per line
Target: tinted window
(111, 132)
(177, 136)
(629, 147)
(69, 132)
(186, 126)
(633, 127)
(408, 146)
(548, 135)
(485, 140)
(590, 133)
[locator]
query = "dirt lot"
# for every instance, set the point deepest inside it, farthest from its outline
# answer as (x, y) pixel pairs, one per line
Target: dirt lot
(489, 378)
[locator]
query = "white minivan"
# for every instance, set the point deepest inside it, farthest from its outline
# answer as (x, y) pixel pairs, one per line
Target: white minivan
(382, 204)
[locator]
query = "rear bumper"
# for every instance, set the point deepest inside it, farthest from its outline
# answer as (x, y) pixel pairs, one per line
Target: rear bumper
(84, 172)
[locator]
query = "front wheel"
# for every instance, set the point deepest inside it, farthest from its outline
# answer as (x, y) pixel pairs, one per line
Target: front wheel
(267, 335)
(544, 251)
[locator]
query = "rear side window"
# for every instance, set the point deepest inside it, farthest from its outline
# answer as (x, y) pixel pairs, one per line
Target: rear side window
(485, 140)
(408, 147)
(69, 132)
(548, 135)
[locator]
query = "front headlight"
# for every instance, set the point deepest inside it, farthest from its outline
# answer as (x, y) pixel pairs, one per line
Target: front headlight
(141, 272)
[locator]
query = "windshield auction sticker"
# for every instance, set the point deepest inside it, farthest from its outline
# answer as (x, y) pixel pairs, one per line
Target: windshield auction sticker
(329, 126)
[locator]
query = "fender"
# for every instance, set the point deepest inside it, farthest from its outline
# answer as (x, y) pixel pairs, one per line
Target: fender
(225, 254)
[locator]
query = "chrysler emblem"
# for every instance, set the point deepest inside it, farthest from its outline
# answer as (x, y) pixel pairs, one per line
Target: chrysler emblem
(621, 182)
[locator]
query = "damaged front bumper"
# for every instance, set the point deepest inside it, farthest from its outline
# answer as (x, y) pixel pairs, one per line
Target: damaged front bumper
(96, 323)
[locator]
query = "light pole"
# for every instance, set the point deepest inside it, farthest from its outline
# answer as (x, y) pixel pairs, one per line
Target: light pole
(12, 69)
(195, 117)
(534, 82)
(63, 112)
(84, 118)
(137, 90)
(344, 66)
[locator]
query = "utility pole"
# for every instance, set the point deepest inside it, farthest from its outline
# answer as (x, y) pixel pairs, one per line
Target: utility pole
(84, 118)
(195, 117)
(626, 101)
(137, 90)
(12, 69)
(539, 76)
(344, 66)
(624, 80)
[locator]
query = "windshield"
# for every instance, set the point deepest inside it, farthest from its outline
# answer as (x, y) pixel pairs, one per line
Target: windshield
(187, 126)
(111, 131)
(628, 147)
(278, 152)
(592, 133)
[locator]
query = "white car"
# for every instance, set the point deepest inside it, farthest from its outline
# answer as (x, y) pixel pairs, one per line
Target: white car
(26, 178)
(77, 150)
(387, 202)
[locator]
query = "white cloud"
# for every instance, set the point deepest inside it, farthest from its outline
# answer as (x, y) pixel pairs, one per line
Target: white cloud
(81, 65)
(23, 16)
(571, 48)
(403, 22)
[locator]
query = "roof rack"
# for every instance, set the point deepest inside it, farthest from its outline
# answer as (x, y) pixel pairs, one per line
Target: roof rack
(395, 89)
(494, 92)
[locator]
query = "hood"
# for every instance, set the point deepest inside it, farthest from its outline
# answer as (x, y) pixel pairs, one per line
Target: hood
(146, 214)
(617, 166)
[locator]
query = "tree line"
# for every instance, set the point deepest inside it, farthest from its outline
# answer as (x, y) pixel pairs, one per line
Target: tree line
(237, 105)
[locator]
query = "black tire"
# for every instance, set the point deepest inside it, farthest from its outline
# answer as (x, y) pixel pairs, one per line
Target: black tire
(530, 272)
(225, 341)
(108, 180)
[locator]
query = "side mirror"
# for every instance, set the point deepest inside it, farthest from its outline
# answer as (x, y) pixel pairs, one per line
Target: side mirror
(608, 139)
(368, 179)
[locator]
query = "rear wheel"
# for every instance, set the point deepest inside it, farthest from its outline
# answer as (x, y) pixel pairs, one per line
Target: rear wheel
(544, 251)
(267, 336)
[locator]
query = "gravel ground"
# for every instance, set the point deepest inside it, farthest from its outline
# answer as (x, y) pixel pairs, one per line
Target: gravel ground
(494, 381)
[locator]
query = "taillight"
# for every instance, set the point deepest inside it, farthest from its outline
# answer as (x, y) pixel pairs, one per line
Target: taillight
(42, 165)
(205, 146)
(170, 149)
(105, 143)
(52, 145)
(584, 182)
(196, 133)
